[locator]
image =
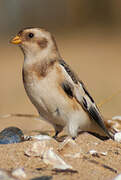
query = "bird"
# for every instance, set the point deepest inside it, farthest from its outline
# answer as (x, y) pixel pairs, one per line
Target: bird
(56, 91)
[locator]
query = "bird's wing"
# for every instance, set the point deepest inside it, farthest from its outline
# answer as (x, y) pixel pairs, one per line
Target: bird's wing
(77, 89)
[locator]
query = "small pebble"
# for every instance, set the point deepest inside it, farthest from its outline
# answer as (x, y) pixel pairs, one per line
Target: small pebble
(11, 135)
(93, 151)
(4, 175)
(19, 173)
(104, 153)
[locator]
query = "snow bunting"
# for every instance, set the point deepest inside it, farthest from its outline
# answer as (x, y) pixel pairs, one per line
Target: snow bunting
(55, 90)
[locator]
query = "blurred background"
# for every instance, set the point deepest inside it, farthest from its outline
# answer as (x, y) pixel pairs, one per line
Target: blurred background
(88, 34)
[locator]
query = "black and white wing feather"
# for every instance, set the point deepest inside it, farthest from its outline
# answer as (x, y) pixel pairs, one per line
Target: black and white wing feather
(90, 107)
(78, 90)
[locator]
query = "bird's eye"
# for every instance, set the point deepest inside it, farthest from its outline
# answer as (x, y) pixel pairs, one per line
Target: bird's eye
(31, 35)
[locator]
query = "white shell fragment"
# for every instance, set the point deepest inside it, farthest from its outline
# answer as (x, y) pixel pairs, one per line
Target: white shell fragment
(115, 123)
(116, 117)
(41, 137)
(117, 137)
(94, 152)
(19, 173)
(45, 150)
(50, 157)
(76, 155)
(117, 177)
(37, 148)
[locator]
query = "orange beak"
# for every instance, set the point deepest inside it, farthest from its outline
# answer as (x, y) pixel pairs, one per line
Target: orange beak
(16, 40)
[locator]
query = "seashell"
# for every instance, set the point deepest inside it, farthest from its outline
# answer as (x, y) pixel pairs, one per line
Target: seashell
(46, 150)
(117, 177)
(117, 137)
(11, 135)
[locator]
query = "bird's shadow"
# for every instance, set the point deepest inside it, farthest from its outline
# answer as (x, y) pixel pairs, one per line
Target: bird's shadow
(63, 137)
(103, 138)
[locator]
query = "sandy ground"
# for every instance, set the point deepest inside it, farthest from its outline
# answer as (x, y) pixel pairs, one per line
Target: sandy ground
(96, 59)
(85, 166)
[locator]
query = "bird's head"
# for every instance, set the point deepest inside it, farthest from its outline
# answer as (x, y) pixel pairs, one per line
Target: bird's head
(36, 42)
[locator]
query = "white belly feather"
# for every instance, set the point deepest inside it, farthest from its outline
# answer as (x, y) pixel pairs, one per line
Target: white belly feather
(53, 106)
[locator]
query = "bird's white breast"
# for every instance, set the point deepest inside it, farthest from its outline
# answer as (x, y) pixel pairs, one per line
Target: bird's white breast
(52, 103)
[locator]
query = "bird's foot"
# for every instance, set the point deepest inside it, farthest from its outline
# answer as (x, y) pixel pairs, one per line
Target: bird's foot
(56, 134)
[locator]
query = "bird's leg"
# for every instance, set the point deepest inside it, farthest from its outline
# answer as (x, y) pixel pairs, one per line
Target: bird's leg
(66, 141)
(58, 129)
(56, 134)
(73, 128)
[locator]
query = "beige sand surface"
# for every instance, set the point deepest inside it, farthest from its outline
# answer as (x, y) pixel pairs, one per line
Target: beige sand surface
(87, 166)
